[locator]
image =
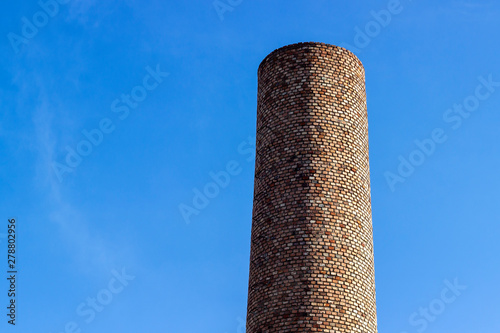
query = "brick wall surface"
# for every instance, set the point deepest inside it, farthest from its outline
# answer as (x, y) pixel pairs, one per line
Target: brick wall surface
(311, 264)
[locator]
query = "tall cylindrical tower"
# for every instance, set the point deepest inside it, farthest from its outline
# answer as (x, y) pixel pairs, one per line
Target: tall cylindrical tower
(311, 264)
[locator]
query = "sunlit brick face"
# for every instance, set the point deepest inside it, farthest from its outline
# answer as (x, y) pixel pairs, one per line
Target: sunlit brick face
(311, 264)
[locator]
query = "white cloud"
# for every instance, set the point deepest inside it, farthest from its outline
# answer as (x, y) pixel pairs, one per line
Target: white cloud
(92, 253)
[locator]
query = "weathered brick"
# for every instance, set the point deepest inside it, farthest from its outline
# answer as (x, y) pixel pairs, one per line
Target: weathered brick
(311, 264)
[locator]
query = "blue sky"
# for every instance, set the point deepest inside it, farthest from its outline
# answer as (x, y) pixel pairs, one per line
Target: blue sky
(109, 226)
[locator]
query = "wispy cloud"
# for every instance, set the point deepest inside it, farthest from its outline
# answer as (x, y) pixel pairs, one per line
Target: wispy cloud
(90, 13)
(92, 252)
(79, 10)
(471, 10)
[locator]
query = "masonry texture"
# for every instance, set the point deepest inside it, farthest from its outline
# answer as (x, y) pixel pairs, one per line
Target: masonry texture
(311, 264)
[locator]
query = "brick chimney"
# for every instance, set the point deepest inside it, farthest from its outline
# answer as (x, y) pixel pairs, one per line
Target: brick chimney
(311, 263)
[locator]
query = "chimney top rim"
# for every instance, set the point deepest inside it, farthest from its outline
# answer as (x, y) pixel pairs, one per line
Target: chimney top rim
(302, 44)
